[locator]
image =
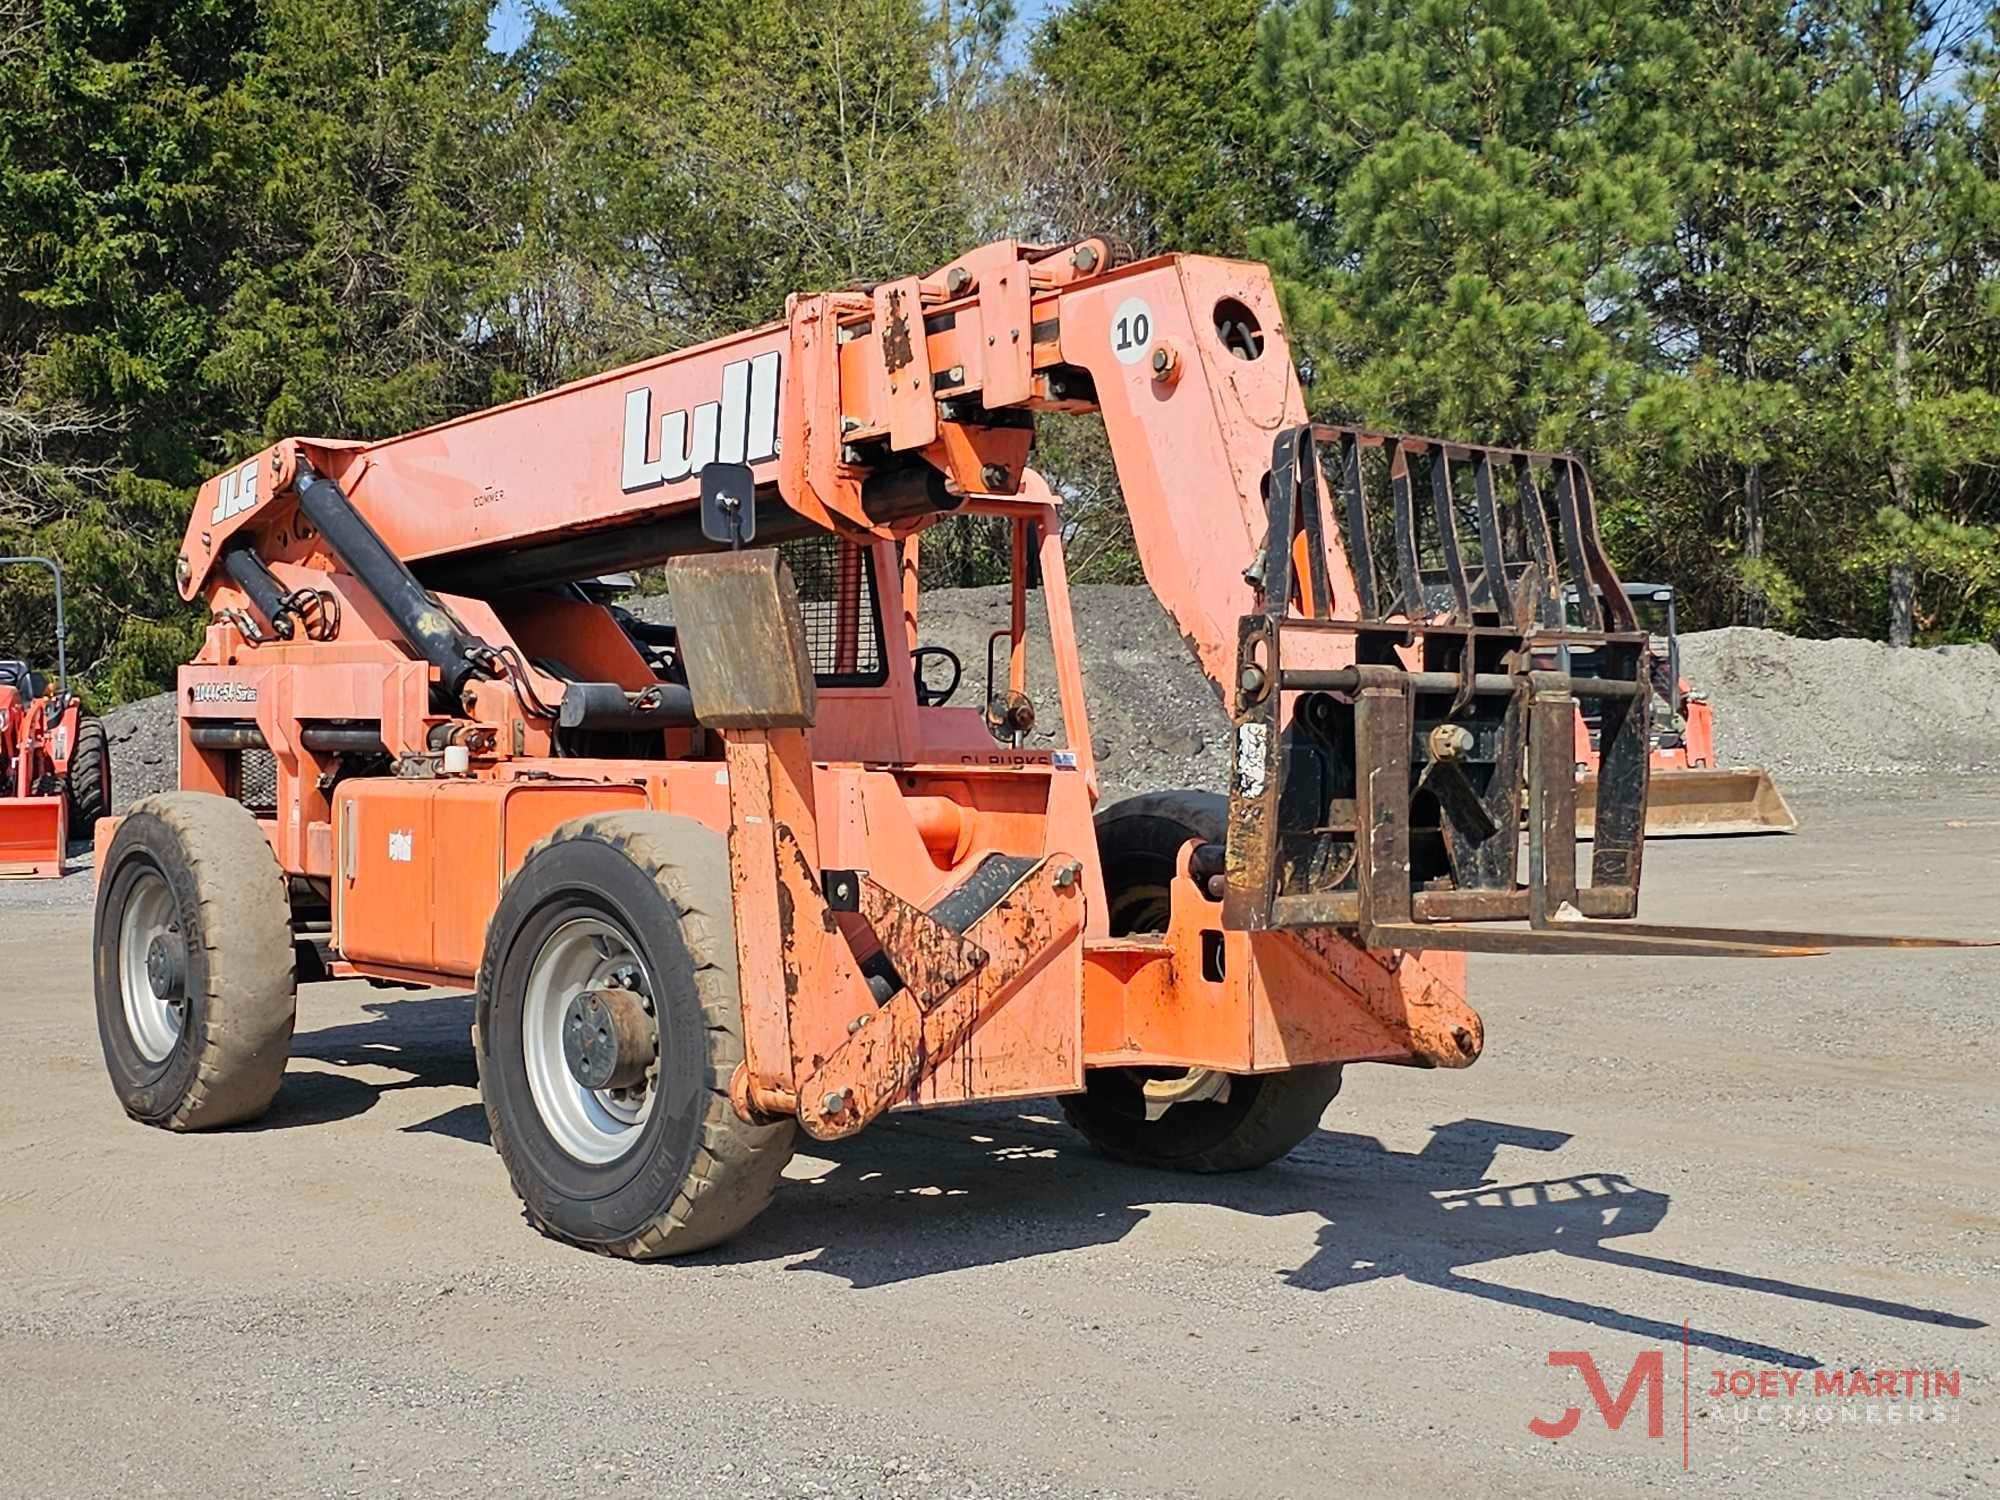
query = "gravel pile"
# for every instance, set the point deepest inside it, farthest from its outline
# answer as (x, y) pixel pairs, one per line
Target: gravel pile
(1795, 707)
(1155, 722)
(1828, 707)
(145, 749)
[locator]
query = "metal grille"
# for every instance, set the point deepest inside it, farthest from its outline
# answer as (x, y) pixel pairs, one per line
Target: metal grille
(836, 583)
(257, 780)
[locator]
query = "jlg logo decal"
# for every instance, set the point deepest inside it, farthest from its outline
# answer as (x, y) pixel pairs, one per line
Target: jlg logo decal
(236, 493)
(742, 427)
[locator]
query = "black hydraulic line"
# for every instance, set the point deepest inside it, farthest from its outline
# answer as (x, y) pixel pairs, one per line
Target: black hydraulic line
(254, 576)
(425, 624)
(239, 734)
(605, 705)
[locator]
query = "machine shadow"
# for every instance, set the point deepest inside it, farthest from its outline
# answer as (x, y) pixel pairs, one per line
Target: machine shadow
(921, 1195)
(427, 1040)
(924, 1194)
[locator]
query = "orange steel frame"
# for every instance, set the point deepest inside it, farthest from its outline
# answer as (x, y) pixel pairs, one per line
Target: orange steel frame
(412, 865)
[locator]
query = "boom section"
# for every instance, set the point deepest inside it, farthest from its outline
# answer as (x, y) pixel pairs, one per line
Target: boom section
(870, 413)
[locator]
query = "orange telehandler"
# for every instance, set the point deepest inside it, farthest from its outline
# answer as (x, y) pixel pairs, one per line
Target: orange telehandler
(55, 758)
(723, 880)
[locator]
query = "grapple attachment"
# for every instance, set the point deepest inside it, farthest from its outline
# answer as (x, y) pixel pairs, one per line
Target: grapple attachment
(1389, 745)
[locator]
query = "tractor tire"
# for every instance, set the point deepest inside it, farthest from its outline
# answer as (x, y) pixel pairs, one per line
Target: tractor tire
(1223, 1123)
(193, 955)
(88, 781)
(635, 906)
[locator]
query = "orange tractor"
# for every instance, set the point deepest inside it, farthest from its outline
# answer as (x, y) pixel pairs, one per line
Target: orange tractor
(57, 762)
(744, 875)
(1691, 796)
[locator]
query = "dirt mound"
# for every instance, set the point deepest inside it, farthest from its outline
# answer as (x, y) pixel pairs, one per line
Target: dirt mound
(1846, 706)
(1796, 707)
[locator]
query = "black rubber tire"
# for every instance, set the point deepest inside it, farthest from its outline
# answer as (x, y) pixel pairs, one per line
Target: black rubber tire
(88, 780)
(241, 997)
(1266, 1114)
(699, 1172)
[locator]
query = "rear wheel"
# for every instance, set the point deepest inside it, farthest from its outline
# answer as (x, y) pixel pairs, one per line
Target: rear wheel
(88, 780)
(1183, 1119)
(193, 956)
(609, 1025)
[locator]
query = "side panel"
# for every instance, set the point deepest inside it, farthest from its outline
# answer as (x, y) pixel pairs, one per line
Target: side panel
(421, 863)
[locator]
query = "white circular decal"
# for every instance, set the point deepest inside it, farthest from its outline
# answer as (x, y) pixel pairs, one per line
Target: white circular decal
(1131, 330)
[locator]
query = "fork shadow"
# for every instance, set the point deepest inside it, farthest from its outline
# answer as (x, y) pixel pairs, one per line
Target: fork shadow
(927, 1194)
(426, 1040)
(923, 1195)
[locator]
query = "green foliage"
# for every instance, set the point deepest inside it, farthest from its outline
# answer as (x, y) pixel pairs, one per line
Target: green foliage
(1479, 181)
(364, 239)
(1174, 78)
(1742, 255)
(709, 158)
(116, 176)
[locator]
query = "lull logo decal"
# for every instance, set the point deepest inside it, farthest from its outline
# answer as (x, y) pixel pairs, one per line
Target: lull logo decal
(742, 427)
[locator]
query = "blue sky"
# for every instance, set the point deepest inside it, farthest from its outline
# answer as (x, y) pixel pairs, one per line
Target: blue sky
(510, 20)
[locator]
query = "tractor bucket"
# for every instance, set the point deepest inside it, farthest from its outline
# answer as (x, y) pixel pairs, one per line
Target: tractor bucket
(1699, 803)
(34, 834)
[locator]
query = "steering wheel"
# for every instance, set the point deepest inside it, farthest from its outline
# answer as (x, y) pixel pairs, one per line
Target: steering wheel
(928, 696)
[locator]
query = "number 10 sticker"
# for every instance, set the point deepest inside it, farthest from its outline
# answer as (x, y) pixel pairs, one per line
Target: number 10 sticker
(1131, 330)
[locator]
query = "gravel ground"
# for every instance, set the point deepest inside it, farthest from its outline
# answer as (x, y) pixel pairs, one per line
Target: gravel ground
(1798, 1161)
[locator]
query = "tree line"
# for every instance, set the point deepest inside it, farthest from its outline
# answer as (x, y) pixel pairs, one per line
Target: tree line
(1744, 255)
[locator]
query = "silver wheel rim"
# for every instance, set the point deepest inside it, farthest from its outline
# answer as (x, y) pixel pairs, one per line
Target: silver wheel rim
(153, 1020)
(592, 1125)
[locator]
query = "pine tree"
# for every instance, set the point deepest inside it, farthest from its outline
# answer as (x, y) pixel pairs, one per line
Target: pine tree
(1477, 183)
(1176, 81)
(367, 224)
(117, 130)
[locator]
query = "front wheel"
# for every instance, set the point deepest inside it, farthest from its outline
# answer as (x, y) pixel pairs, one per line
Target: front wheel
(1183, 1119)
(196, 992)
(609, 1025)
